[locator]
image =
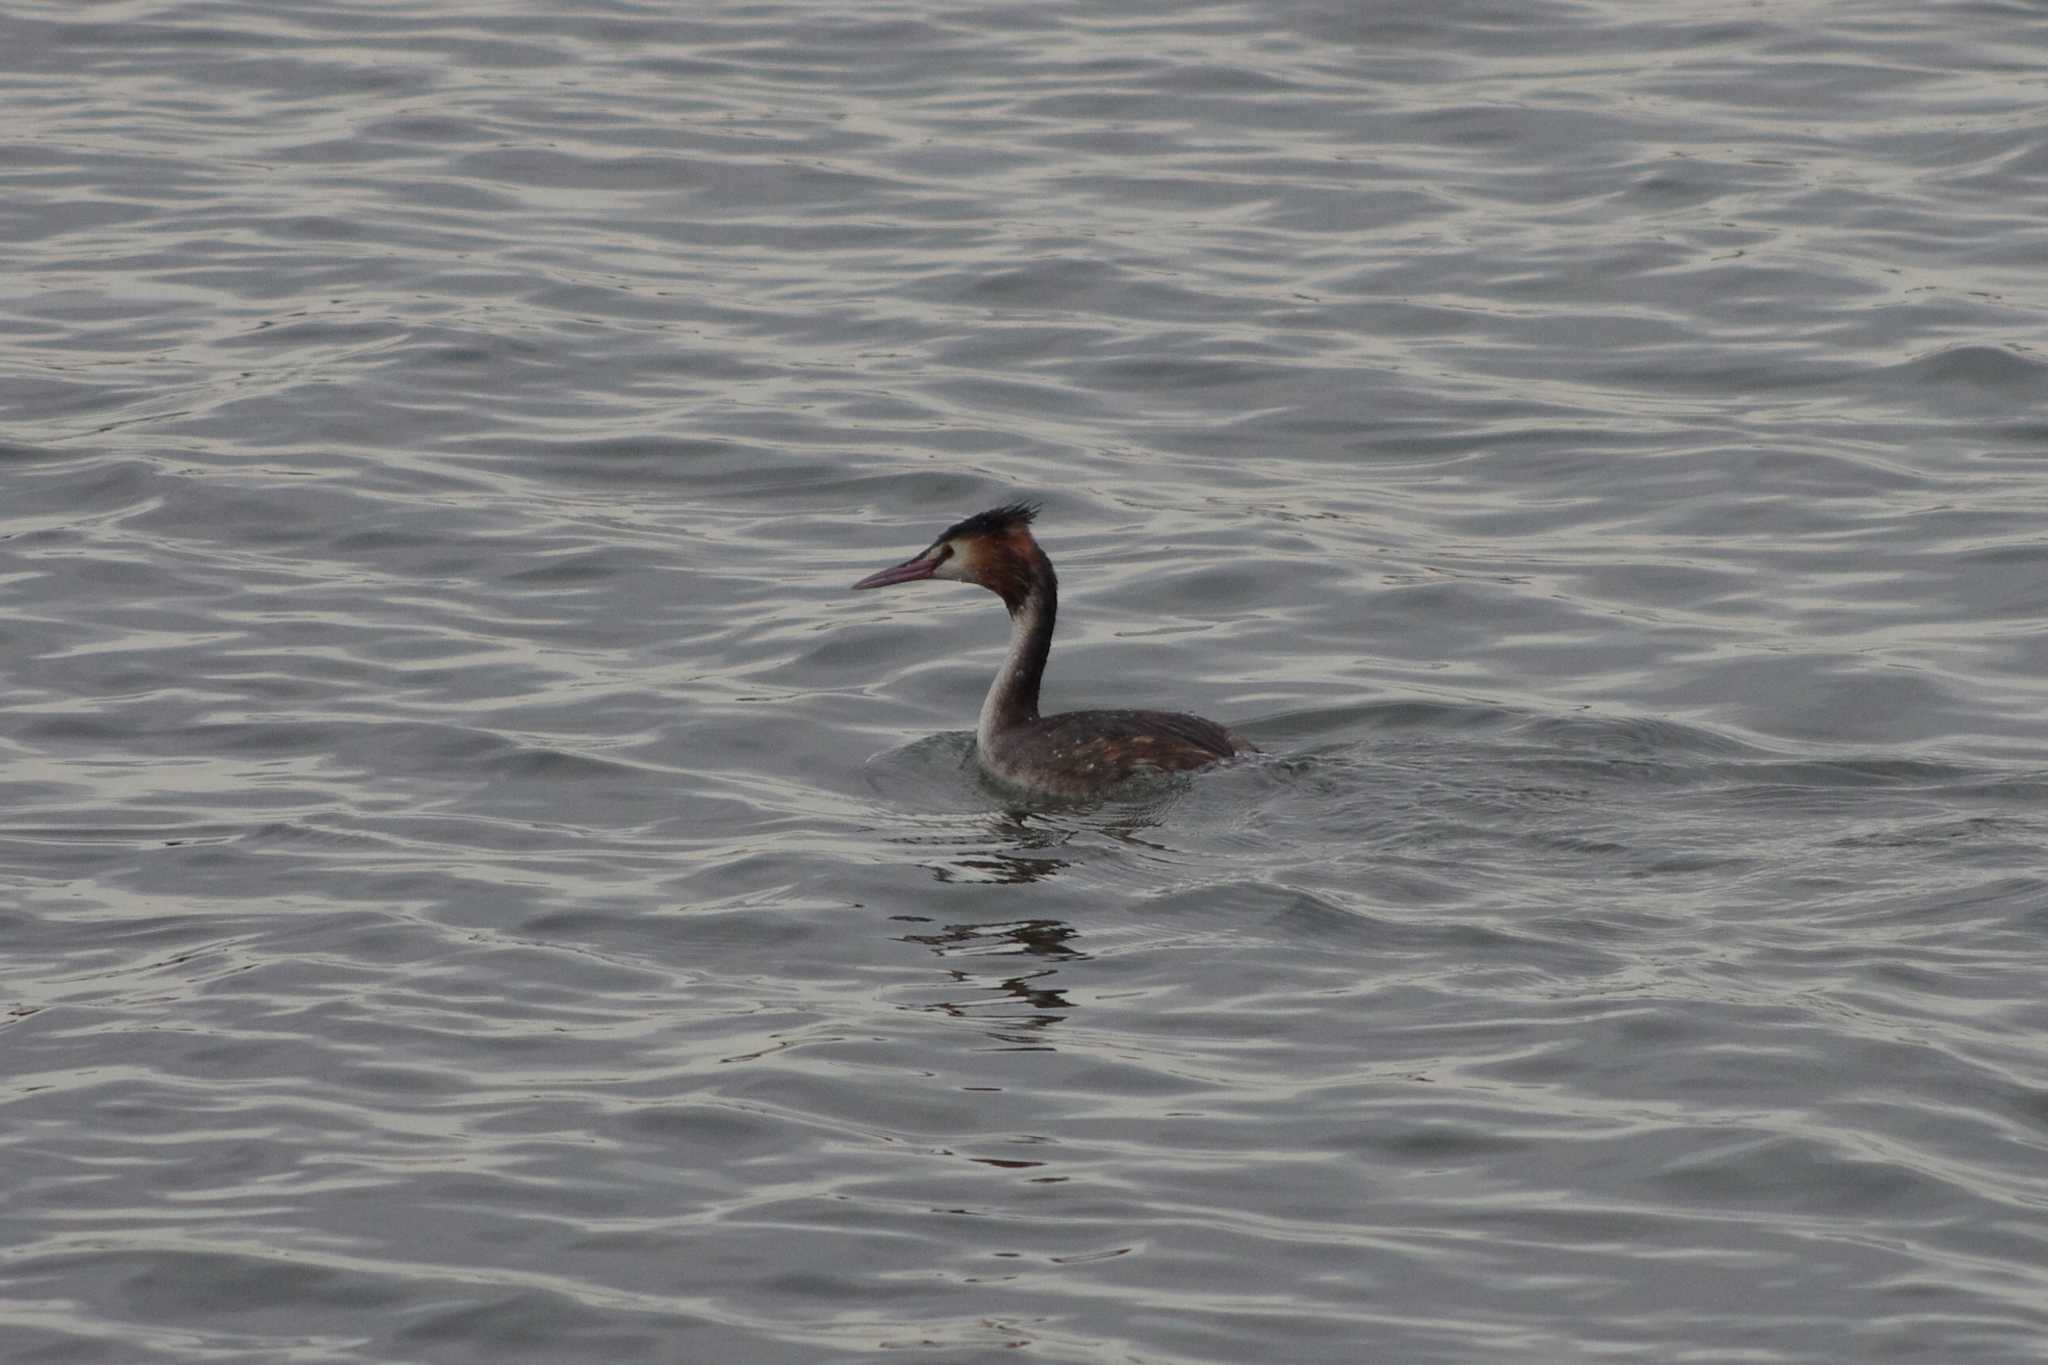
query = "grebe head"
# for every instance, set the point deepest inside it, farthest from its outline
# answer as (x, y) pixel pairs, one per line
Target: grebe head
(994, 549)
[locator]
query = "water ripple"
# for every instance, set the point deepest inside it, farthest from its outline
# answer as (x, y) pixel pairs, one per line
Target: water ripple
(477, 884)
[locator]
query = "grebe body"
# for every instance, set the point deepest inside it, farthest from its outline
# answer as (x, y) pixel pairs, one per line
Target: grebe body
(1078, 753)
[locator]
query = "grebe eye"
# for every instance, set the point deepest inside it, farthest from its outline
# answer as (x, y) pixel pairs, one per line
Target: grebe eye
(945, 553)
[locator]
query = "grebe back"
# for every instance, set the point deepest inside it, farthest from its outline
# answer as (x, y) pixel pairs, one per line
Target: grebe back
(1079, 753)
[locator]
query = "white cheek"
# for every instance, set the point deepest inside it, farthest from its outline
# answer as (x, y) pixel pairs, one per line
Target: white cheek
(952, 569)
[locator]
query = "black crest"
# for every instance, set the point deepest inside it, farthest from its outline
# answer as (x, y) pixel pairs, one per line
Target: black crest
(997, 521)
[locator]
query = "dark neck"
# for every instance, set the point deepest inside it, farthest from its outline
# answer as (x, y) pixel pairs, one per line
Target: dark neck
(1013, 699)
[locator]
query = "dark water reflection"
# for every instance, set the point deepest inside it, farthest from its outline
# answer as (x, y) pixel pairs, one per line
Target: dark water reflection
(475, 885)
(1029, 1002)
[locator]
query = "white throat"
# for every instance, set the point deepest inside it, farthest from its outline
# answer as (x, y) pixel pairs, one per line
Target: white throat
(999, 707)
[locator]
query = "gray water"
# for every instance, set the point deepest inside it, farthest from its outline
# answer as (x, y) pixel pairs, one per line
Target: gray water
(475, 886)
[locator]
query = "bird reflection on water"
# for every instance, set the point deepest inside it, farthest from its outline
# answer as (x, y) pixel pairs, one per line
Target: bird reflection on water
(1019, 846)
(996, 1003)
(1011, 845)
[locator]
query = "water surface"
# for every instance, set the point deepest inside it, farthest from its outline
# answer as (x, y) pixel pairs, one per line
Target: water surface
(478, 888)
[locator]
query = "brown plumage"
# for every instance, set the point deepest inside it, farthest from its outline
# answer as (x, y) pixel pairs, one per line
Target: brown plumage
(1078, 753)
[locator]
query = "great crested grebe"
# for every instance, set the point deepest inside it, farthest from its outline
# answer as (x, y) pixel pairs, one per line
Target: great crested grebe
(1080, 753)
